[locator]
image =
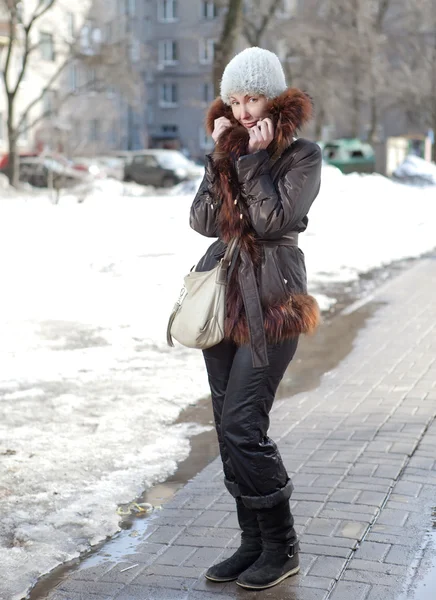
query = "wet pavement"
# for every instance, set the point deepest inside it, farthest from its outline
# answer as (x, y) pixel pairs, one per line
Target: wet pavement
(315, 357)
(424, 585)
(360, 442)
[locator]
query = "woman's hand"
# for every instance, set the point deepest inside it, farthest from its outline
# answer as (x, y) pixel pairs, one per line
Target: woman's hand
(261, 136)
(221, 125)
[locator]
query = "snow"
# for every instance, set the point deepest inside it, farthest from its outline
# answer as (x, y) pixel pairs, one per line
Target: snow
(89, 390)
(416, 169)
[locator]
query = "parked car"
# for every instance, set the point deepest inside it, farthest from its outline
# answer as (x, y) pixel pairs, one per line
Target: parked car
(4, 159)
(47, 172)
(113, 166)
(160, 168)
(89, 165)
(349, 155)
(125, 155)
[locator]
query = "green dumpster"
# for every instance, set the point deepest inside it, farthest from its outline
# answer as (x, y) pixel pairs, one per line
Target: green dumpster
(349, 155)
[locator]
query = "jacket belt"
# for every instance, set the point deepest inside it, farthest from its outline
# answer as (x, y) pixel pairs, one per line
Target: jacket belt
(290, 239)
(251, 299)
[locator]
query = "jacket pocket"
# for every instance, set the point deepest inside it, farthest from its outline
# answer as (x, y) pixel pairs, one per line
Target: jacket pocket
(273, 283)
(291, 264)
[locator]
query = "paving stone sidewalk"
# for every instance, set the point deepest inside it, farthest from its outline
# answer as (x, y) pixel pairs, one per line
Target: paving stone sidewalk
(361, 451)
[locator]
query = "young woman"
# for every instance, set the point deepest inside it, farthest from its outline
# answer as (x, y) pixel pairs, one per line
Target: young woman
(259, 184)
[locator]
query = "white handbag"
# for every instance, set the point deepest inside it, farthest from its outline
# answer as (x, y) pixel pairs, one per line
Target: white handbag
(197, 320)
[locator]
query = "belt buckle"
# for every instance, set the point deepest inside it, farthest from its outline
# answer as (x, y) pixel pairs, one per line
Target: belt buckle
(294, 548)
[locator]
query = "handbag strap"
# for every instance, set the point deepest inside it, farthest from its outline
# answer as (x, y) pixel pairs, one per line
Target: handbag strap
(226, 261)
(230, 250)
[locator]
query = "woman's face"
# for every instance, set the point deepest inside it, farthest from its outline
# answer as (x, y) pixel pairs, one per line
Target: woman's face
(248, 109)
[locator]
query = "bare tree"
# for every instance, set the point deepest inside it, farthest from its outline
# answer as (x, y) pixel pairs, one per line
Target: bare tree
(19, 41)
(109, 64)
(225, 47)
(342, 53)
(257, 17)
(374, 29)
(309, 52)
(417, 69)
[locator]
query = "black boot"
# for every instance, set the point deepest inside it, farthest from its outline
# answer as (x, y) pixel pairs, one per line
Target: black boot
(249, 550)
(279, 558)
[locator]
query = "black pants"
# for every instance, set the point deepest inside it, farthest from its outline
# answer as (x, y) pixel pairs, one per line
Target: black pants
(242, 397)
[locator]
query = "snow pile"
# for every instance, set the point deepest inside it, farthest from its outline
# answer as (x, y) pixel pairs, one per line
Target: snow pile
(416, 170)
(187, 187)
(364, 222)
(4, 183)
(89, 390)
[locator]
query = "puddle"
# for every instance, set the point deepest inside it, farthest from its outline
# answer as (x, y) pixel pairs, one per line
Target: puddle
(426, 588)
(424, 585)
(315, 356)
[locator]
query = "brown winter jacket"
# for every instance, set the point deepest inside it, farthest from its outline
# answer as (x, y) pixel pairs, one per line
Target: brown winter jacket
(264, 199)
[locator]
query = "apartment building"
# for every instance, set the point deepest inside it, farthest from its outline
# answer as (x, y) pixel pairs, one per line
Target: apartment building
(181, 36)
(105, 108)
(95, 100)
(50, 37)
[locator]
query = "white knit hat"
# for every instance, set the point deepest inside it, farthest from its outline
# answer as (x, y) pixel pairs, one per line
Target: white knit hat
(256, 71)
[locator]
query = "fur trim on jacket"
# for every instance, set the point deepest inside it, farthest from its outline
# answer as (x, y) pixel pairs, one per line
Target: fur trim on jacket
(288, 312)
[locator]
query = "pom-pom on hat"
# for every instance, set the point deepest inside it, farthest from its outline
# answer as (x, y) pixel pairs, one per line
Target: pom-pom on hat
(253, 71)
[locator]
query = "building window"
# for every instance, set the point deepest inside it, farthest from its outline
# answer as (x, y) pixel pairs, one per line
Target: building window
(49, 102)
(94, 130)
(150, 115)
(71, 25)
(174, 129)
(209, 9)
(168, 95)
(108, 32)
(127, 7)
(112, 134)
(206, 142)
(208, 93)
(167, 11)
(135, 50)
(207, 51)
(90, 38)
(76, 130)
(46, 45)
(73, 77)
(168, 52)
(92, 79)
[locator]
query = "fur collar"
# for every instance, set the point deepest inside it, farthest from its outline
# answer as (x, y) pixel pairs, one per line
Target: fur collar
(289, 112)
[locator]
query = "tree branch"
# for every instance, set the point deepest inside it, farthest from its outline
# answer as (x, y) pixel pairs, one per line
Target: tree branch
(59, 104)
(25, 59)
(267, 18)
(250, 36)
(27, 48)
(254, 36)
(383, 8)
(46, 88)
(9, 54)
(225, 46)
(37, 15)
